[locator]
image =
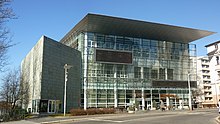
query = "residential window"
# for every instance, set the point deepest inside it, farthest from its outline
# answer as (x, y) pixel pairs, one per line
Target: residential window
(217, 60)
(216, 46)
(218, 74)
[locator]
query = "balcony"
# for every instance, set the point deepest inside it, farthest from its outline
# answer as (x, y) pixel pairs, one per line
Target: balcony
(207, 90)
(206, 84)
(205, 63)
(205, 73)
(217, 67)
(207, 79)
(205, 68)
(208, 101)
(208, 95)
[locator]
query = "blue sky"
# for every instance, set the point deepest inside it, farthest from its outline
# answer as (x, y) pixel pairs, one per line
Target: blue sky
(54, 18)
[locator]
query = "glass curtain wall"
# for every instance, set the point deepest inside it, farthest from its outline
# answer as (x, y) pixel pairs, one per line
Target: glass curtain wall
(152, 60)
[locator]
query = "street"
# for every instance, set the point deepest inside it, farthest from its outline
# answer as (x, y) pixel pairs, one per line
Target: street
(201, 116)
(195, 117)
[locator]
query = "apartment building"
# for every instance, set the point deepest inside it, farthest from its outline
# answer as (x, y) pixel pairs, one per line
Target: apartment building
(213, 56)
(204, 82)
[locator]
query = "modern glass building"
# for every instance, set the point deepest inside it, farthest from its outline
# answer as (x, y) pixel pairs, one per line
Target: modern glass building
(130, 62)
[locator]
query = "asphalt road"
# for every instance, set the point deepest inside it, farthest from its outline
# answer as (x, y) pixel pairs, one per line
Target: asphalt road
(177, 117)
(202, 116)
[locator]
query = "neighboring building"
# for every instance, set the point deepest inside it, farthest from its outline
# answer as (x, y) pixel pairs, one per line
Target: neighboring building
(213, 55)
(204, 79)
(124, 62)
(128, 62)
(43, 69)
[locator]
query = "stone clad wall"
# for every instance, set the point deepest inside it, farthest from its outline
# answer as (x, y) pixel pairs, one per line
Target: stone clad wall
(55, 56)
(31, 68)
(43, 69)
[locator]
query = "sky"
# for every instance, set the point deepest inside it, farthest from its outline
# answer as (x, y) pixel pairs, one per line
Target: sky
(54, 18)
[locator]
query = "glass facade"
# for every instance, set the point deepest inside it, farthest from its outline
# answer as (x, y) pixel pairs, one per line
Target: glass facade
(117, 83)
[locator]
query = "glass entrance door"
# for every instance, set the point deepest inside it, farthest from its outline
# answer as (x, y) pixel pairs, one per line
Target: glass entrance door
(43, 106)
(51, 106)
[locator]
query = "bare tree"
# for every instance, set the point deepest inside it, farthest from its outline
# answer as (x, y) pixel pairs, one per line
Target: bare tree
(10, 88)
(6, 13)
(197, 93)
(14, 90)
(24, 92)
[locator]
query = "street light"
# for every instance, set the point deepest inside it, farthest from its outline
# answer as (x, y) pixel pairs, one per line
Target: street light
(190, 102)
(66, 67)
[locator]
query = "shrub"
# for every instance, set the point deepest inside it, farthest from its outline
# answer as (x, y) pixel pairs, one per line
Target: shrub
(75, 112)
(13, 115)
(131, 108)
(108, 111)
(92, 111)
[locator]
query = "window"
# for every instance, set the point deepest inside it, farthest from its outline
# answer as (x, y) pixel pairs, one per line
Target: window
(161, 73)
(109, 71)
(170, 74)
(137, 72)
(145, 42)
(218, 75)
(121, 71)
(128, 42)
(216, 46)
(137, 53)
(217, 60)
(154, 43)
(145, 53)
(100, 40)
(154, 74)
(109, 42)
(153, 53)
(119, 43)
(146, 73)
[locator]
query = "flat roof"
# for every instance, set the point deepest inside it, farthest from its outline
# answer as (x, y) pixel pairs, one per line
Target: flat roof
(135, 28)
(212, 43)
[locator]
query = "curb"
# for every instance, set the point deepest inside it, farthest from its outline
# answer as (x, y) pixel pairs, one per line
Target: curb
(59, 121)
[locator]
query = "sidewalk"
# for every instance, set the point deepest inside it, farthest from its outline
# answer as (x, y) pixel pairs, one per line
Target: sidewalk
(20, 122)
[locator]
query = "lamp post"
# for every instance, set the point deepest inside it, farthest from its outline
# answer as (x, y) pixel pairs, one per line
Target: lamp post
(190, 102)
(66, 67)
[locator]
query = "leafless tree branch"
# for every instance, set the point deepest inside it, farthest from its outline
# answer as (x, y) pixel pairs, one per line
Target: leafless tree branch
(14, 89)
(6, 13)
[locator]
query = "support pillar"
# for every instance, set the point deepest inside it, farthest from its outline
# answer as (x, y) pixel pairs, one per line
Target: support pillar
(115, 96)
(151, 99)
(175, 103)
(143, 100)
(168, 101)
(115, 87)
(85, 71)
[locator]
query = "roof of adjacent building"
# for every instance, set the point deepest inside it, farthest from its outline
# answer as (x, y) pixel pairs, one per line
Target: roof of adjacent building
(212, 43)
(135, 28)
